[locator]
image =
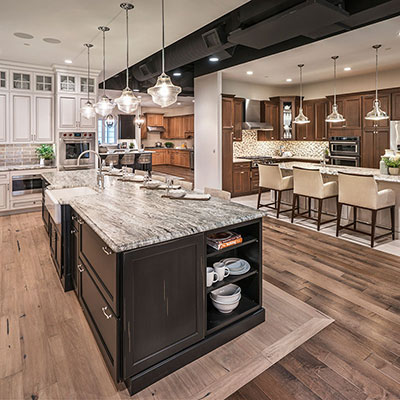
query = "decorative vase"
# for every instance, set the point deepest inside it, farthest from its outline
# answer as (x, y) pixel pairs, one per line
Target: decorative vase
(41, 163)
(394, 171)
(47, 162)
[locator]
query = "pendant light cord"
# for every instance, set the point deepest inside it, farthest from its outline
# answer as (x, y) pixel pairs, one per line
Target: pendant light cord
(104, 62)
(163, 37)
(376, 73)
(334, 79)
(127, 49)
(301, 85)
(88, 71)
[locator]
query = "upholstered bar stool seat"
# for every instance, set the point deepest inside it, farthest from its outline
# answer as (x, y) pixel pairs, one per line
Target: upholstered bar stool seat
(309, 183)
(271, 178)
(361, 191)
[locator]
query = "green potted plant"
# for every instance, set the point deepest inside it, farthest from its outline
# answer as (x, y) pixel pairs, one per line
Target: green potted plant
(393, 164)
(169, 145)
(45, 153)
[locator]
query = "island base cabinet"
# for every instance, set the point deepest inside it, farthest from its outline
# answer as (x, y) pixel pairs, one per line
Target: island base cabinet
(164, 305)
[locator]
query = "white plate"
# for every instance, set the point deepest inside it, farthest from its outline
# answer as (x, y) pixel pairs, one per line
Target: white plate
(240, 271)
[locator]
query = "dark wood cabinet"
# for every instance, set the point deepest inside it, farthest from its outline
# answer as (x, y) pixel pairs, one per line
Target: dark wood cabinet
(227, 142)
(56, 246)
(395, 112)
(227, 112)
(269, 114)
(164, 304)
(238, 104)
(74, 257)
(351, 109)
(241, 178)
(373, 145)
(307, 131)
(320, 114)
(367, 104)
(255, 179)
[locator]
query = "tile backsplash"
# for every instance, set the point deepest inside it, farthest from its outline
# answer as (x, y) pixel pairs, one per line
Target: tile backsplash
(250, 146)
(18, 154)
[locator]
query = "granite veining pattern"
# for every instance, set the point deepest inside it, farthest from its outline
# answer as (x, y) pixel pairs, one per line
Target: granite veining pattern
(128, 217)
(8, 168)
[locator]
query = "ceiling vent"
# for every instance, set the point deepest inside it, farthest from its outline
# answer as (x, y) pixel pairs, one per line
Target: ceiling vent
(302, 20)
(214, 38)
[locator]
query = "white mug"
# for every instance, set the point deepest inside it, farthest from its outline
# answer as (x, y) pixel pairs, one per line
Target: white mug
(221, 270)
(212, 276)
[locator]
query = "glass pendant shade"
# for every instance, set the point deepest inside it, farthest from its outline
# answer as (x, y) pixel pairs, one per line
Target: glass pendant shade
(376, 114)
(301, 118)
(139, 121)
(334, 116)
(164, 93)
(87, 110)
(109, 120)
(127, 102)
(104, 106)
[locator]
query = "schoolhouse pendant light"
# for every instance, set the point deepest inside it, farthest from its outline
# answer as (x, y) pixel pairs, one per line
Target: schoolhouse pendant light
(87, 109)
(334, 116)
(164, 93)
(127, 102)
(376, 114)
(105, 105)
(301, 118)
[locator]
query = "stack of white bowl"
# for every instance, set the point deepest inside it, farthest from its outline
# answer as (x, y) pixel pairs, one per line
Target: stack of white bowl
(227, 298)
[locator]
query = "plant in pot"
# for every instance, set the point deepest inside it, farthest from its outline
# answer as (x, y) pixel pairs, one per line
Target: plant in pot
(169, 145)
(393, 164)
(46, 154)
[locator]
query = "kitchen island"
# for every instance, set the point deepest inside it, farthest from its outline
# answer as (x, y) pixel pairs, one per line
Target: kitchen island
(137, 263)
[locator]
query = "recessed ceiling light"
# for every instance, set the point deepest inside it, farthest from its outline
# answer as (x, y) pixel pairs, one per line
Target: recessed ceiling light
(51, 40)
(68, 61)
(249, 72)
(135, 90)
(177, 74)
(213, 59)
(193, 101)
(22, 35)
(289, 79)
(347, 68)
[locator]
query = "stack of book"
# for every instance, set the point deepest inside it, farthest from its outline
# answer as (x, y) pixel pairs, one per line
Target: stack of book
(221, 240)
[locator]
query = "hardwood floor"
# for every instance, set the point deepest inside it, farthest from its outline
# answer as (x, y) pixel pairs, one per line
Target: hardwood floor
(356, 357)
(186, 173)
(47, 350)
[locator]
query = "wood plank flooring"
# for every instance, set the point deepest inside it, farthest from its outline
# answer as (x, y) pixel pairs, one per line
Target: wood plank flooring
(186, 173)
(356, 357)
(47, 350)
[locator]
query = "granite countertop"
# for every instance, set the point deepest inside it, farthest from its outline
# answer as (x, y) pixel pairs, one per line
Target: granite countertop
(128, 217)
(298, 158)
(335, 169)
(25, 167)
(122, 153)
(169, 148)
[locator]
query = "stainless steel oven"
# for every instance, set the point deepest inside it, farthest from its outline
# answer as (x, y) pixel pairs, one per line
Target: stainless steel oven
(26, 184)
(347, 161)
(72, 144)
(344, 145)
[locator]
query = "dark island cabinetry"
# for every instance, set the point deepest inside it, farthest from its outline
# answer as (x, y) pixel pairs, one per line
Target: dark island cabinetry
(149, 307)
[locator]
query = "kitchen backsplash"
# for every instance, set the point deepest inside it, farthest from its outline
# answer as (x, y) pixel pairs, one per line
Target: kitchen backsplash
(250, 146)
(152, 138)
(18, 154)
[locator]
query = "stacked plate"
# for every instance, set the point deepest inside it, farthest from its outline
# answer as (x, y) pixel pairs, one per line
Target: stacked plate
(237, 266)
(227, 298)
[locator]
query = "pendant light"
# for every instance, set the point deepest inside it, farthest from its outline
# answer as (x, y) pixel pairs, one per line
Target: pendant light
(334, 116)
(87, 109)
(139, 120)
(164, 93)
(127, 102)
(376, 114)
(301, 118)
(105, 105)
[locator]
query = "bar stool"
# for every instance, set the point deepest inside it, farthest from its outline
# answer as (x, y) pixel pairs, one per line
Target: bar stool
(361, 191)
(271, 178)
(144, 162)
(128, 159)
(112, 158)
(309, 183)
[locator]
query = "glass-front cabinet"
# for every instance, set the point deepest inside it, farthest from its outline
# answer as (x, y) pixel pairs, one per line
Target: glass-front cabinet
(44, 83)
(67, 83)
(21, 80)
(3, 80)
(84, 85)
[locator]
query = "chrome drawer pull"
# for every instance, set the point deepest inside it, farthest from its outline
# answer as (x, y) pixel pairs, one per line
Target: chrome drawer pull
(104, 309)
(73, 231)
(80, 222)
(80, 268)
(105, 249)
(74, 218)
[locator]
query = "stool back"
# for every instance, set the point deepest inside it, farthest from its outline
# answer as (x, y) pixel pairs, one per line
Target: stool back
(128, 159)
(307, 182)
(270, 176)
(112, 158)
(358, 190)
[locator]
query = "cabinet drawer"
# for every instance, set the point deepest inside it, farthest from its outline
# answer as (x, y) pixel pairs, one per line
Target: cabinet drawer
(102, 320)
(241, 166)
(19, 204)
(4, 178)
(103, 264)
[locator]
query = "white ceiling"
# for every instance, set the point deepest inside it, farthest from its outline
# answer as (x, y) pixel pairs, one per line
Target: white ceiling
(354, 49)
(75, 22)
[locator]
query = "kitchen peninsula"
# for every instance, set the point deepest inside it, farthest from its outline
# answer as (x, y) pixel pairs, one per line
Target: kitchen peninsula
(137, 263)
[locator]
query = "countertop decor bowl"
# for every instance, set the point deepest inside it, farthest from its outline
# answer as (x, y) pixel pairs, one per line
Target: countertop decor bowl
(152, 184)
(177, 193)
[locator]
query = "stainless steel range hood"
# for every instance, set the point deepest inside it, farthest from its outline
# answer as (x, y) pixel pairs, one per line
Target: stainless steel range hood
(252, 117)
(155, 129)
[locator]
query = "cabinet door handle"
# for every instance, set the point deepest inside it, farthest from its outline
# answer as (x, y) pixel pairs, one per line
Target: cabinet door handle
(104, 309)
(74, 218)
(106, 250)
(73, 231)
(80, 268)
(80, 222)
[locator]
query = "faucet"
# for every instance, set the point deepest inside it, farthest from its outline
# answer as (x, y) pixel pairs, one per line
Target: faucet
(100, 175)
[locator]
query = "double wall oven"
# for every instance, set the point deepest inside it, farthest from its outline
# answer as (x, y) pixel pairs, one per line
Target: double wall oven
(72, 144)
(345, 150)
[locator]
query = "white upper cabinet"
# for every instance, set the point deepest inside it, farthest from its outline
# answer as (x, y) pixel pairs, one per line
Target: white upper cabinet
(43, 116)
(3, 79)
(83, 122)
(43, 83)
(21, 80)
(3, 117)
(84, 85)
(21, 121)
(67, 106)
(67, 83)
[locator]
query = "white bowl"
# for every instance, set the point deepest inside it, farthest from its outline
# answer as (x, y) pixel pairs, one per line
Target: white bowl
(152, 184)
(225, 308)
(177, 193)
(227, 294)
